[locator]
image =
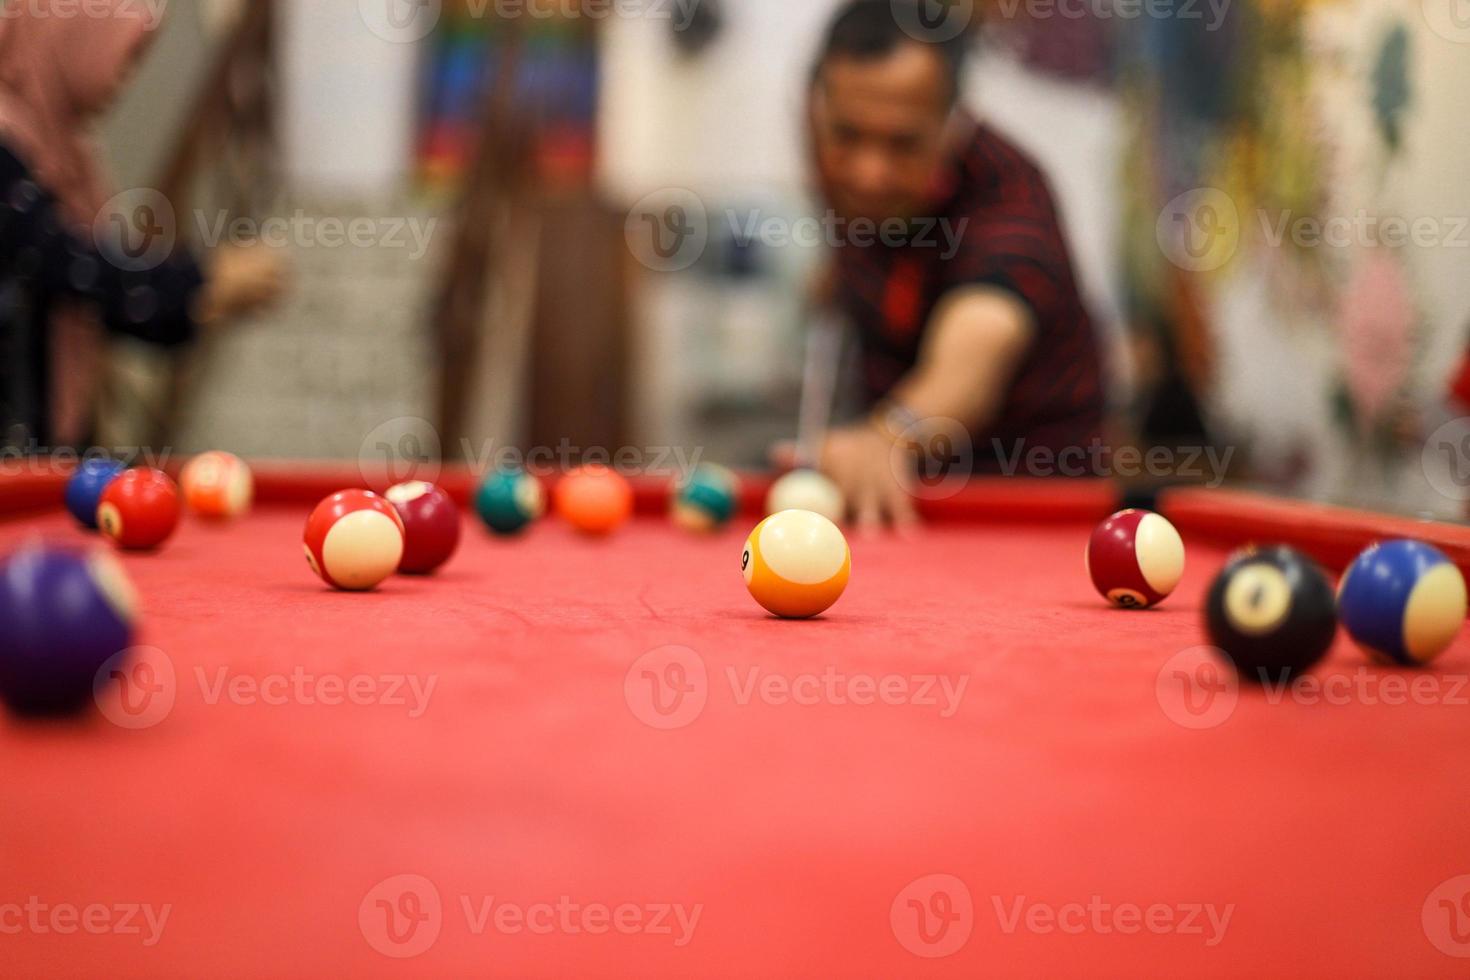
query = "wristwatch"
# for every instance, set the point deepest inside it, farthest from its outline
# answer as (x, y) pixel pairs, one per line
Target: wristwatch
(900, 423)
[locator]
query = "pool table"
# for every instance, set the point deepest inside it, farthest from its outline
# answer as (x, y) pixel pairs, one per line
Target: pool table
(567, 757)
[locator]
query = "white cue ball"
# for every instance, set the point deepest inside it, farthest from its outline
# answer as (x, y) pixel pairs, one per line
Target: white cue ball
(807, 490)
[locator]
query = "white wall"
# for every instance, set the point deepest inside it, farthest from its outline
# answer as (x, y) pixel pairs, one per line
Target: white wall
(349, 100)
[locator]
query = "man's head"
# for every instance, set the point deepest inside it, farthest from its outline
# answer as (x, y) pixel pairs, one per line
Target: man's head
(881, 102)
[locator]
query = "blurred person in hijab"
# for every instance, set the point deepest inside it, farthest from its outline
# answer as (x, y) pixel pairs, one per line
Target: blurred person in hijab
(63, 290)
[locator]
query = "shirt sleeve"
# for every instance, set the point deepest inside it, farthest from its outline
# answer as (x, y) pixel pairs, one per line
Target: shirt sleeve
(1460, 384)
(152, 304)
(1014, 242)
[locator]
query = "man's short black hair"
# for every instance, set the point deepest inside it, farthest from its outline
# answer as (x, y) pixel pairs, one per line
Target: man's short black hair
(871, 30)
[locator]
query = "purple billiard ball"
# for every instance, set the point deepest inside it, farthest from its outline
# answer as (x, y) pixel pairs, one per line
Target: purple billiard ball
(62, 616)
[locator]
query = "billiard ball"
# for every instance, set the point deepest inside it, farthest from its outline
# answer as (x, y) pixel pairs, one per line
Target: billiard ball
(510, 500)
(84, 489)
(139, 510)
(796, 564)
(1271, 613)
(430, 525)
(594, 499)
(1403, 602)
(706, 499)
(1136, 559)
(807, 490)
(217, 485)
(65, 616)
(354, 540)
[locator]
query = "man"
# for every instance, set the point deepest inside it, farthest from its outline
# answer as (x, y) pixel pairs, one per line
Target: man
(969, 319)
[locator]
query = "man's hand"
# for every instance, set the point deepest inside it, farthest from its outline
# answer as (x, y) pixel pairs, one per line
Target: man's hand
(864, 462)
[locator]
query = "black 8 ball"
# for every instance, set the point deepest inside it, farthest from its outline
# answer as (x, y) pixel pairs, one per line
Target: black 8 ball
(1273, 613)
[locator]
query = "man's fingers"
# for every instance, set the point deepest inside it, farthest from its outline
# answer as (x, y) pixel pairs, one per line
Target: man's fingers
(869, 510)
(783, 455)
(901, 509)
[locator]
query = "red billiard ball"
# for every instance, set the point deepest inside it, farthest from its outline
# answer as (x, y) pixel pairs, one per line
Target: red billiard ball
(139, 510)
(1136, 559)
(354, 540)
(431, 524)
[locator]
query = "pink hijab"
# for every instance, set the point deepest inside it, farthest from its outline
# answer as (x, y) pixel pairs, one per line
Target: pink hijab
(60, 65)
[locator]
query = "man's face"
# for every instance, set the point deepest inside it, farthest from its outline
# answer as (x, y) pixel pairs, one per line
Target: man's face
(878, 130)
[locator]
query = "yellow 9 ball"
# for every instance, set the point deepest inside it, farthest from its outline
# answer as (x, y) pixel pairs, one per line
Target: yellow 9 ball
(796, 564)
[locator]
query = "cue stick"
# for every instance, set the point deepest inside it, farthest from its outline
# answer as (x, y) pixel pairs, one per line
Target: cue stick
(818, 387)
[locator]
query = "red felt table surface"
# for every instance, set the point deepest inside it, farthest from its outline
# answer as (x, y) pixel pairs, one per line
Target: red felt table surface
(1058, 782)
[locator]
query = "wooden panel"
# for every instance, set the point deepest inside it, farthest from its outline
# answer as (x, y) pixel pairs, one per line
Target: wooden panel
(580, 331)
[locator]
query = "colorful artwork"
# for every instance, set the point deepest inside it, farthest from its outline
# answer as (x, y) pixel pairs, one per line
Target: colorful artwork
(555, 90)
(1241, 112)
